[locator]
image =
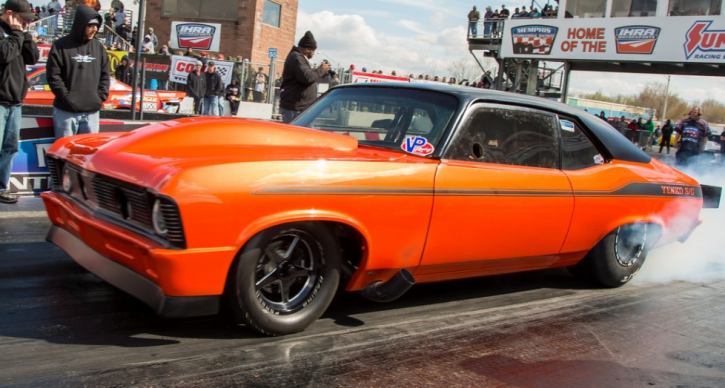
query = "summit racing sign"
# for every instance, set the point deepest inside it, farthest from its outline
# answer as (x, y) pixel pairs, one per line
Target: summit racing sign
(198, 36)
(710, 42)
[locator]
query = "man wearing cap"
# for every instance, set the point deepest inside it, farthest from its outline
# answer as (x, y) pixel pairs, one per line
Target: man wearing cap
(124, 71)
(260, 85)
(196, 87)
(299, 79)
(17, 49)
(214, 88)
(154, 39)
(79, 76)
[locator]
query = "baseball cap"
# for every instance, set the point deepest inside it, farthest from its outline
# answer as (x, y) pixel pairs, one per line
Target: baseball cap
(199, 63)
(210, 63)
(203, 53)
(20, 7)
(93, 21)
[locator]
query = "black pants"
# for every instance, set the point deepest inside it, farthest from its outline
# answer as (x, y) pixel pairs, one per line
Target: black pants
(198, 105)
(683, 158)
(234, 105)
(258, 96)
(665, 142)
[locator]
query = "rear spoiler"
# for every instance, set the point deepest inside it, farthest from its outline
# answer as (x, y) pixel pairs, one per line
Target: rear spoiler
(711, 196)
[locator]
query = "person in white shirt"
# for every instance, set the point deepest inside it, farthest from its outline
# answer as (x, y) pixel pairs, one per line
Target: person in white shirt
(55, 6)
(148, 45)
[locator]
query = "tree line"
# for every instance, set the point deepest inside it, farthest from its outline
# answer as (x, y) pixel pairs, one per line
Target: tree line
(653, 97)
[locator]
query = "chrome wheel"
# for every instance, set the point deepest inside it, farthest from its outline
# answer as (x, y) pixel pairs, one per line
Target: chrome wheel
(288, 273)
(629, 243)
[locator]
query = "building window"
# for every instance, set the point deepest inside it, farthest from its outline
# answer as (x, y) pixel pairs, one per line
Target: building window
(633, 8)
(694, 7)
(201, 9)
(272, 13)
(585, 8)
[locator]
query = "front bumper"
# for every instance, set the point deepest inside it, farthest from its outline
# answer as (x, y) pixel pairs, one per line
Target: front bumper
(174, 282)
(129, 281)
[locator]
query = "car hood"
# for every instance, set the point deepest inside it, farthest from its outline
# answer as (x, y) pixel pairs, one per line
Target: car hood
(149, 155)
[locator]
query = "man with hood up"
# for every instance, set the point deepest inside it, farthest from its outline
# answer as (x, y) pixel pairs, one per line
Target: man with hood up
(79, 76)
(124, 72)
(299, 80)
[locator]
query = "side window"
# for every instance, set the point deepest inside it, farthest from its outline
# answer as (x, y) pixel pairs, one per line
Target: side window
(579, 152)
(508, 135)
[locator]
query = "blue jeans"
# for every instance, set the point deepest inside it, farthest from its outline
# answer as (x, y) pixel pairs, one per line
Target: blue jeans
(72, 123)
(9, 135)
(473, 26)
(288, 115)
(211, 106)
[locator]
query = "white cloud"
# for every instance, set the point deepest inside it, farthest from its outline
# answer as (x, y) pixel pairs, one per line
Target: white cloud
(349, 39)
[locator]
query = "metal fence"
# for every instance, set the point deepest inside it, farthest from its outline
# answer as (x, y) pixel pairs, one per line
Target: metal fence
(50, 28)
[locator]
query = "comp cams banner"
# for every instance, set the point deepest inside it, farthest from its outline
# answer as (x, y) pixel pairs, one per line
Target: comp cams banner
(683, 39)
(198, 36)
(181, 67)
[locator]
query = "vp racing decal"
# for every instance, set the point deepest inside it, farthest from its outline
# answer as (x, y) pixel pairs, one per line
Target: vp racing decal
(417, 145)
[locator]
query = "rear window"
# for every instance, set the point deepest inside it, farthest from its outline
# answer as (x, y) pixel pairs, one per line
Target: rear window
(411, 120)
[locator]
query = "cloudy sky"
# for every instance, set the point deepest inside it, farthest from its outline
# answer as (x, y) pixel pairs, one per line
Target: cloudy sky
(426, 36)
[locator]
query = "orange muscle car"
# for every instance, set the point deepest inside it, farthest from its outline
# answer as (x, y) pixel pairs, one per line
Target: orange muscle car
(375, 187)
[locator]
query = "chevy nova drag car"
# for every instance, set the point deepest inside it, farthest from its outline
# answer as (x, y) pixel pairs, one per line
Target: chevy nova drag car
(375, 187)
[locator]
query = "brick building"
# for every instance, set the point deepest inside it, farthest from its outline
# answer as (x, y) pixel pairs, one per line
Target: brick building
(249, 27)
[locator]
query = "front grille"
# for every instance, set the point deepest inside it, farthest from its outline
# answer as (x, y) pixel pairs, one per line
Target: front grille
(54, 168)
(172, 217)
(121, 203)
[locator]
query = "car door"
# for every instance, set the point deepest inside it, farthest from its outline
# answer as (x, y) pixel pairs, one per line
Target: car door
(501, 202)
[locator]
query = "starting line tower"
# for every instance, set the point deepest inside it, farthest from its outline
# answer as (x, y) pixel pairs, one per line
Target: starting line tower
(672, 37)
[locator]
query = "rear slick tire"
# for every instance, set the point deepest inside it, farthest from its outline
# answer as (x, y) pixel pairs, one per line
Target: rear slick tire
(616, 258)
(285, 278)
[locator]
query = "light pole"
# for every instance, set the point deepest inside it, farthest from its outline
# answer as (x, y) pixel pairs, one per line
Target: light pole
(663, 117)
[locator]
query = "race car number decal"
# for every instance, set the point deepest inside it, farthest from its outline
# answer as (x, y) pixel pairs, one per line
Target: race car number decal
(417, 145)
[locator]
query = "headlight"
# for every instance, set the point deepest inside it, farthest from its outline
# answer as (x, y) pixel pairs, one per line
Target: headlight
(157, 218)
(67, 183)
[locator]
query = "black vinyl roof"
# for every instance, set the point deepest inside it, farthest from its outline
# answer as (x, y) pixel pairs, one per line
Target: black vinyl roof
(617, 145)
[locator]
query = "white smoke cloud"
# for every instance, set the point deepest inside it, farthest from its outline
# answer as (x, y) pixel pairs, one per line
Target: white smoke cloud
(702, 257)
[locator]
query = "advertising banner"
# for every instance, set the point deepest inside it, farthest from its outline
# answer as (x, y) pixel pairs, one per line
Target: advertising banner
(181, 67)
(115, 58)
(198, 36)
(44, 50)
(682, 39)
(157, 66)
(360, 77)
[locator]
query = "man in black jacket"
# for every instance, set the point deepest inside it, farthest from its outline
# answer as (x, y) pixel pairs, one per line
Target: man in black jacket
(79, 76)
(299, 79)
(196, 87)
(124, 71)
(17, 49)
(214, 88)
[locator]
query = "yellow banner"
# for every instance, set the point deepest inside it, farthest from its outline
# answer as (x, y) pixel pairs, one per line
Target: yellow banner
(115, 58)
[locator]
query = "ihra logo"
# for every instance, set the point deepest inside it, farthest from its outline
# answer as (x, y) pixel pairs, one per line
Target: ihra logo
(196, 36)
(636, 39)
(702, 39)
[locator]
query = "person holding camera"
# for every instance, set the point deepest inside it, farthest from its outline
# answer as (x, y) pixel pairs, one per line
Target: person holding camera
(299, 79)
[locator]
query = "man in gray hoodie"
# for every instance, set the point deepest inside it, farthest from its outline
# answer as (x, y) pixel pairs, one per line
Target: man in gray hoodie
(79, 76)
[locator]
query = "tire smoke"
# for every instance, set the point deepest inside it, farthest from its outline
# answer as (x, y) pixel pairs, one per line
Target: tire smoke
(701, 259)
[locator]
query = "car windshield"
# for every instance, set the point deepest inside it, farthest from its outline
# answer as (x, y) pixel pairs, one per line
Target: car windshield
(383, 117)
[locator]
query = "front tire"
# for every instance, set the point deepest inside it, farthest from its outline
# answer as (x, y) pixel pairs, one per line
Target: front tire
(616, 258)
(285, 278)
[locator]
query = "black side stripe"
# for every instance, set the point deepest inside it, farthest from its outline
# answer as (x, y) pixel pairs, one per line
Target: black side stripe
(634, 189)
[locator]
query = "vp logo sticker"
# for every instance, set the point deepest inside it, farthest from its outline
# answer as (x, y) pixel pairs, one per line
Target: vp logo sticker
(417, 145)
